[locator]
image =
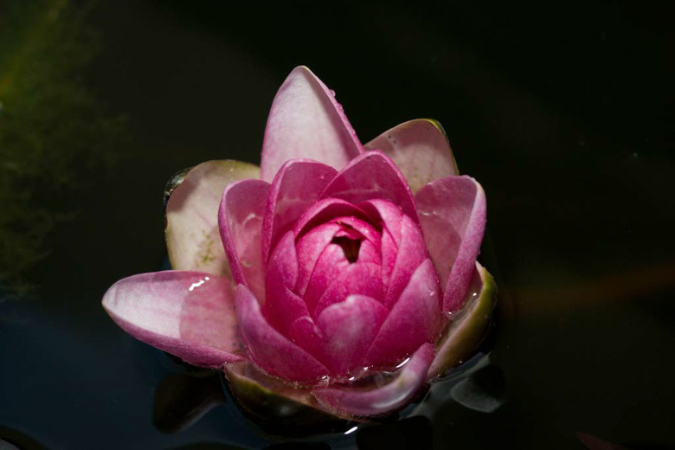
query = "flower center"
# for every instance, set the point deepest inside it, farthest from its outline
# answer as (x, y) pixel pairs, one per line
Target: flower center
(350, 247)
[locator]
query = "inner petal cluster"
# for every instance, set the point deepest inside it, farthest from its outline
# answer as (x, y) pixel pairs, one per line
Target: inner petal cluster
(334, 278)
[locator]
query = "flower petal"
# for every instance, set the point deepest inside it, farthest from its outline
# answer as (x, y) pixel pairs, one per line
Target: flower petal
(378, 401)
(348, 328)
(295, 188)
(465, 332)
(270, 350)
(282, 306)
(323, 211)
(187, 314)
(240, 220)
(415, 318)
(306, 122)
(420, 149)
(192, 216)
(372, 175)
(411, 253)
(452, 215)
(309, 247)
(357, 278)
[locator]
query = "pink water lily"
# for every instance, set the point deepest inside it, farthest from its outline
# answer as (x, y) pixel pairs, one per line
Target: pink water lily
(338, 276)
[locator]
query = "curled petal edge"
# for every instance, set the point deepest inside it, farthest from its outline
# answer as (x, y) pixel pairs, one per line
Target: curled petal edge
(350, 402)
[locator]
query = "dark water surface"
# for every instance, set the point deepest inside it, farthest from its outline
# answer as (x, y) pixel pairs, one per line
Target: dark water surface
(563, 112)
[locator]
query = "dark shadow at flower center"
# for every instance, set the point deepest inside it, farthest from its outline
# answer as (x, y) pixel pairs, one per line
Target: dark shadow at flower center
(350, 247)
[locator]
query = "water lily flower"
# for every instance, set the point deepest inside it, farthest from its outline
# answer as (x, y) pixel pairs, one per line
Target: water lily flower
(337, 277)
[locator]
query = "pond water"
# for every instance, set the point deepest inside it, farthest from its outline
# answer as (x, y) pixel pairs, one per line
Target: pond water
(562, 111)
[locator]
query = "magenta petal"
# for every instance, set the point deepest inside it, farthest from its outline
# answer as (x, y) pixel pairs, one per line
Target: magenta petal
(348, 328)
(192, 238)
(372, 176)
(304, 333)
(296, 187)
(378, 401)
(309, 247)
(282, 306)
(330, 264)
(420, 149)
(357, 278)
(270, 350)
(306, 122)
(323, 211)
(187, 314)
(240, 221)
(453, 214)
(411, 253)
(415, 318)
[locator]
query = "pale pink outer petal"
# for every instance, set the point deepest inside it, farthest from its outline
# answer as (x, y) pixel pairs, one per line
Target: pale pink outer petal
(420, 149)
(348, 328)
(296, 187)
(240, 219)
(270, 350)
(188, 314)
(192, 237)
(305, 121)
(415, 318)
(372, 175)
(349, 402)
(453, 216)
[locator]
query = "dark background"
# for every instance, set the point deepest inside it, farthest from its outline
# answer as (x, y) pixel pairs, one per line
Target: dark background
(562, 110)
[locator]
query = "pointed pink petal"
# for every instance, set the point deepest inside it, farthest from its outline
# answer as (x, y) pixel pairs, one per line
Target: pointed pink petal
(192, 237)
(282, 306)
(240, 221)
(306, 122)
(309, 247)
(415, 318)
(357, 278)
(411, 253)
(270, 350)
(187, 314)
(372, 175)
(420, 149)
(330, 264)
(403, 247)
(305, 334)
(452, 213)
(348, 328)
(378, 401)
(468, 326)
(295, 188)
(390, 217)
